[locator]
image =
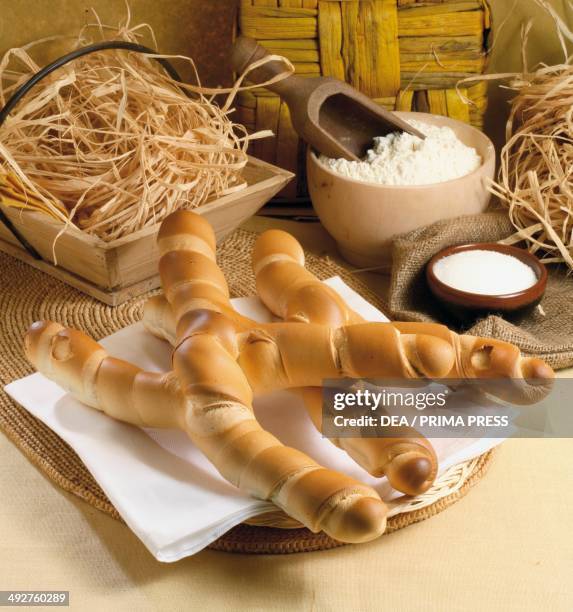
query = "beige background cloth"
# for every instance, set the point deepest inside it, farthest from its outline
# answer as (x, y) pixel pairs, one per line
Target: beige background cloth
(506, 546)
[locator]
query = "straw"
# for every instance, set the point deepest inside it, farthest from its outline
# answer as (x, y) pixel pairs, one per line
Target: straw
(111, 144)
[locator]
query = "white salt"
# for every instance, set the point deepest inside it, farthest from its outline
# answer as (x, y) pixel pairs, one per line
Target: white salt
(403, 159)
(484, 272)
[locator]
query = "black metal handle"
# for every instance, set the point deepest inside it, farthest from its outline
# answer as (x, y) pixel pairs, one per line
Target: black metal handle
(36, 78)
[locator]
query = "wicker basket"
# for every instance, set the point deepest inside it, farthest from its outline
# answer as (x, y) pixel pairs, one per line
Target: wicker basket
(406, 54)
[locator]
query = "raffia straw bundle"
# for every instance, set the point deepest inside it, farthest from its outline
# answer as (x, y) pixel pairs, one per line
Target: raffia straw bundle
(111, 144)
(536, 172)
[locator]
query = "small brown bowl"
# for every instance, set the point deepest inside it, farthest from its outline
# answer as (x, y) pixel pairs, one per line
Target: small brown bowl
(467, 306)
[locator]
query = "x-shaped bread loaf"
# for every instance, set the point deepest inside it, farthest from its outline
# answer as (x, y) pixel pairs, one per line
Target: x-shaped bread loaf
(222, 359)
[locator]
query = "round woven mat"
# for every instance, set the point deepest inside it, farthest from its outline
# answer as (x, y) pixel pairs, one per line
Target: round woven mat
(27, 295)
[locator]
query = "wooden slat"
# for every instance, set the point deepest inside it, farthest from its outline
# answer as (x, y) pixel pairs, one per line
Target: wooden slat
(311, 4)
(349, 24)
(388, 102)
(370, 46)
(409, 3)
(457, 108)
(262, 28)
(309, 69)
(425, 44)
(478, 95)
(262, 92)
(444, 65)
(420, 101)
(431, 80)
(449, 24)
(296, 55)
(303, 43)
(111, 297)
(437, 102)
(479, 89)
(272, 22)
(304, 69)
(453, 6)
(486, 14)
(330, 39)
(387, 58)
(441, 57)
(83, 255)
(275, 12)
(405, 100)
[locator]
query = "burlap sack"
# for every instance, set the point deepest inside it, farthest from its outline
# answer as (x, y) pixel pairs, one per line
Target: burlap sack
(549, 335)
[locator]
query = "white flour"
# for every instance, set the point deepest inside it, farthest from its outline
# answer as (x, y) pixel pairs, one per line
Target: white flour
(484, 272)
(403, 159)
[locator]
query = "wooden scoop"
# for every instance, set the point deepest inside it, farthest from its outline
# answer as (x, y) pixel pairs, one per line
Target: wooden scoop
(330, 115)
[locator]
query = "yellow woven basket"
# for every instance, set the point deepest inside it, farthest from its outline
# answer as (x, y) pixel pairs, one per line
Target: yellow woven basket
(406, 54)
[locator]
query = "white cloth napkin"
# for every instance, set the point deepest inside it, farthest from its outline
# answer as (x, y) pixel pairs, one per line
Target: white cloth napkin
(165, 490)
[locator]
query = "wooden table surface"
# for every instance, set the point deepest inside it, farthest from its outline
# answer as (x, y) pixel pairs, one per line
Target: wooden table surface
(507, 545)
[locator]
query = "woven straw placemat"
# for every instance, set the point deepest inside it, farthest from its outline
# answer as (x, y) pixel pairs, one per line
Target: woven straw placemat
(27, 295)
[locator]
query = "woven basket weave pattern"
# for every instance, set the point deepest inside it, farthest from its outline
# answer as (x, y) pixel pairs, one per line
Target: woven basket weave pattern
(405, 54)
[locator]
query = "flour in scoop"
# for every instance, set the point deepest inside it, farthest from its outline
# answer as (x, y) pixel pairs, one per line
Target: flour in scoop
(484, 272)
(403, 159)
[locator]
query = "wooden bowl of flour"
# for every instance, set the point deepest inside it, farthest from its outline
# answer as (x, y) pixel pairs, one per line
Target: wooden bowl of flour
(364, 217)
